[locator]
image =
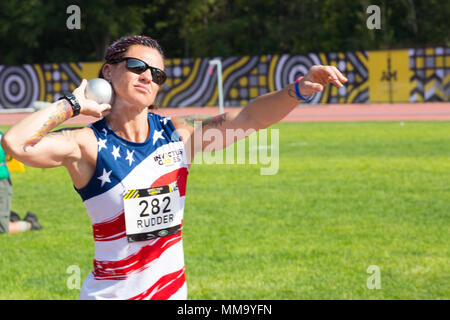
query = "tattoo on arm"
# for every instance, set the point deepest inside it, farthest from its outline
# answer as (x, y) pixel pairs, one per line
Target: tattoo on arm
(215, 121)
(63, 112)
(205, 120)
(189, 120)
(291, 93)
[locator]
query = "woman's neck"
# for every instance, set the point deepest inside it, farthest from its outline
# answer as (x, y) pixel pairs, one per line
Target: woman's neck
(130, 123)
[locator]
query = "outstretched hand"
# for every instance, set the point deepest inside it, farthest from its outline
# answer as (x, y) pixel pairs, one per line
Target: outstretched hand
(90, 107)
(320, 76)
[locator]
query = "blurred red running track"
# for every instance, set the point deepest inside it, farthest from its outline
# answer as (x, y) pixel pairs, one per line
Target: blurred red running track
(439, 111)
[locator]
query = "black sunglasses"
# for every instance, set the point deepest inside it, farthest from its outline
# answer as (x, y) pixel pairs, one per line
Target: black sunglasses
(138, 66)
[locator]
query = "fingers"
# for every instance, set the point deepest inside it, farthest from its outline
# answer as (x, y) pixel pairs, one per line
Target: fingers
(103, 109)
(105, 113)
(90, 107)
(327, 74)
(94, 109)
(320, 76)
(335, 76)
(339, 74)
(332, 76)
(313, 87)
(79, 92)
(82, 86)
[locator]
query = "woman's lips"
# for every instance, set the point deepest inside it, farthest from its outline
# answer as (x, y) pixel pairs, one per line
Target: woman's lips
(142, 88)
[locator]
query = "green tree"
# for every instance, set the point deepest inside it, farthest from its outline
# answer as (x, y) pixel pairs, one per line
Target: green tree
(19, 37)
(35, 30)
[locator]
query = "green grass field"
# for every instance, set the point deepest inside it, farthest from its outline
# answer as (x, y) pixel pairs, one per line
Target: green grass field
(346, 196)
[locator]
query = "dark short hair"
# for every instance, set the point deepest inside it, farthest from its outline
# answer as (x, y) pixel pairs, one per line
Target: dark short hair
(118, 48)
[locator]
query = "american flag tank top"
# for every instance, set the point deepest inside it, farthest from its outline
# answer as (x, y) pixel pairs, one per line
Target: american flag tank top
(150, 265)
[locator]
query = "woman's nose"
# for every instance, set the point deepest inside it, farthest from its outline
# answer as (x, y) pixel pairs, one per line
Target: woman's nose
(146, 76)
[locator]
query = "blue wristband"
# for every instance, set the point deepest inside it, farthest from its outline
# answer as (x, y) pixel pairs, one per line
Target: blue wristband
(297, 92)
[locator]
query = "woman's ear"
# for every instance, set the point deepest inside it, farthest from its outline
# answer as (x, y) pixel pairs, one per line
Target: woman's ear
(106, 71)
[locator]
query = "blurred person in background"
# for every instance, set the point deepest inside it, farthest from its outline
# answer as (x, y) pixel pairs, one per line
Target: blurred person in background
(10, 221)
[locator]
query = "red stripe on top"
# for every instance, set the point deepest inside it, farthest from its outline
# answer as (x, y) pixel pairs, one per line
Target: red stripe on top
(165, 287)
(179, 175)
(110, 230)
(137, 262)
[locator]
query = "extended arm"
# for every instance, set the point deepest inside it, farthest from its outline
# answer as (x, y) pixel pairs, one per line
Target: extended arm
(261, 113)
(273, 107)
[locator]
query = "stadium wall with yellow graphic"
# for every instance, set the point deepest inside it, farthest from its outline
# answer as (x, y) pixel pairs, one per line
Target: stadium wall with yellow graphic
(409, 75)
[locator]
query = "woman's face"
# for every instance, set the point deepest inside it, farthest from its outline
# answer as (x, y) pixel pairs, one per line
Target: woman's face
(135, 89)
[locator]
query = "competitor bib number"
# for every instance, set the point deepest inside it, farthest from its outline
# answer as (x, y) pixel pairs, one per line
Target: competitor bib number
(152, 213)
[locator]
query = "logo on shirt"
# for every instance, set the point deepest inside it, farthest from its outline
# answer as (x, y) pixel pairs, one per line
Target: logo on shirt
(169, 158)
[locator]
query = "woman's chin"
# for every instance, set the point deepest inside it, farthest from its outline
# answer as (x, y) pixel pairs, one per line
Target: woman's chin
(137, 101)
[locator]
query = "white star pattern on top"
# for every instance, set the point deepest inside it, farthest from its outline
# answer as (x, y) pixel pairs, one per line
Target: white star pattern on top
(101, 144)
(115, 152)
(129, 157)
(158, 135)
(105, 132)
(164, 120)
(105, 177)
